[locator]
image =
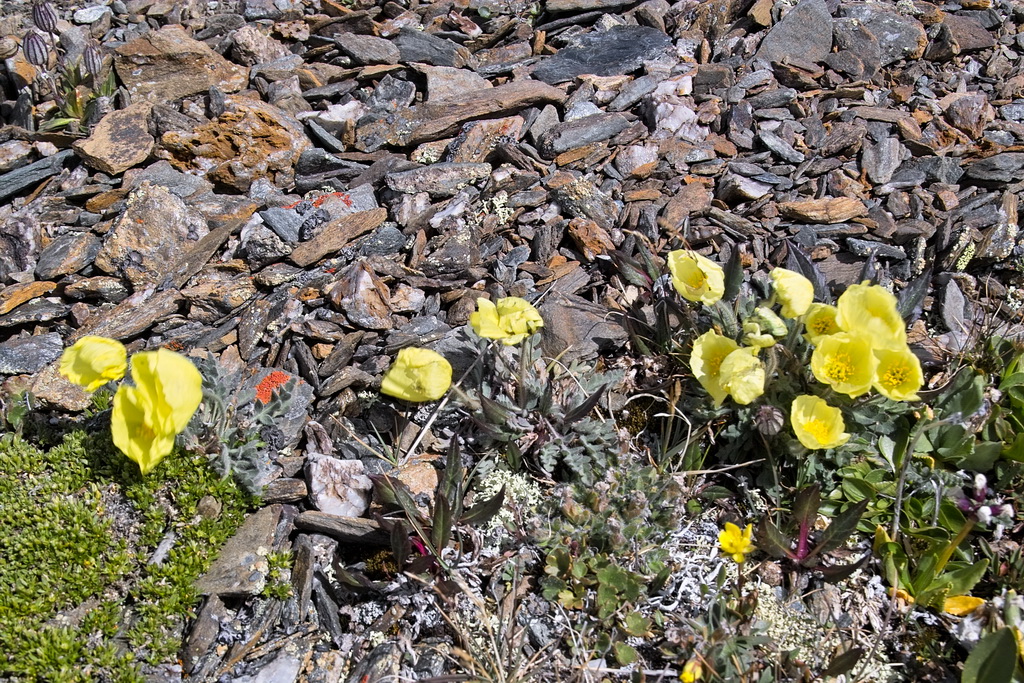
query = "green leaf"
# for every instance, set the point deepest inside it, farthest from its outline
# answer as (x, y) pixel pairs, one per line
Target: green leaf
(733, 274)
(635, 624)
(841, 572)
(441, 526)
(910, 300)
(842, 663)
(844, 524)
(993, 660)
(624, 654)
(401, 546)
(964, 579)
(806, 504)
(1014, 380)
(771, 540)
(485, 509)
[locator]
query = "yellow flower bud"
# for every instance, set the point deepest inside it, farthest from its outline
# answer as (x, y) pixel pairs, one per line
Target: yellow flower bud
(870, 310)
(794, 292)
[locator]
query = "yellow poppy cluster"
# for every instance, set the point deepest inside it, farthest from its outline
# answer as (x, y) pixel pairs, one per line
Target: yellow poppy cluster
(166, 390)
(419, 374)
(859, 344)
(869, 347)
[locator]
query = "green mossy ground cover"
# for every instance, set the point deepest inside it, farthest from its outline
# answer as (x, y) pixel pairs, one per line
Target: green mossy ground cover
(81, 597)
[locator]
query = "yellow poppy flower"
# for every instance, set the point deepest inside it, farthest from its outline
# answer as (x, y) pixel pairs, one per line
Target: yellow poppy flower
(742, 374)
(692, 672)
(135, 425)
(870, 310)
(511, 320)
(93, 361)
(961, 605)
(820, 321)
(845, 362)
(417, 375)
(146, 417)
(794, 292)
(817, 424)
(695, 277)
(709, 350)
(898, 375)
(736, 542)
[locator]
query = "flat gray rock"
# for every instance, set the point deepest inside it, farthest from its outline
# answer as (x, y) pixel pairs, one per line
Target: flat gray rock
(804, 33)
(241, 568)
(617, 51)
(29, 354)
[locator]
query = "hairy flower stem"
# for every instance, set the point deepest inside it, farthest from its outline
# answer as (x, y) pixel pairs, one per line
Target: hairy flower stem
(437, 411)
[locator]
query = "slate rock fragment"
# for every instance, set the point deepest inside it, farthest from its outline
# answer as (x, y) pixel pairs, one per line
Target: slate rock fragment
(619, 50)
(20, 355)
(805, 33)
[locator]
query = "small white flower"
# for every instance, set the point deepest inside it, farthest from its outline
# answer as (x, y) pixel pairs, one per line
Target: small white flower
(984, 514)
(980, 482)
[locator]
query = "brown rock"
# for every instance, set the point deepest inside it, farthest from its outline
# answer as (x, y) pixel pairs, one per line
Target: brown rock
(166, 65)
(132, 316)
(336, 235)
(14, 295)
(250, 140)
(590, 238)
(824, 210)
(968, 34)
(50, 386)
(119, 141)
(253, 47)
(970, 112)
(150, 236)
(433, 121)
(479, 139)
(690, 199)
(241, 567)
(363, 297)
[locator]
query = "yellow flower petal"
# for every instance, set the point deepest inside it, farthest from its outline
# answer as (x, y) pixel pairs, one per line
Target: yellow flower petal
(845, 362)
(820, 321)
(692, 672)
(173, 384)
(816, 424)
(93, 361)
(417, 375)
(709, 350)
(742, 374)
(736, 542)
(132, 429)
(870, 310)
(695, 277)
(961, 605)
(511, 320)
(794, 292)
(898, 375)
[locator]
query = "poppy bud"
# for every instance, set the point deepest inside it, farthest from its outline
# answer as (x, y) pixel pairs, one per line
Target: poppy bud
(44, 16)
(36, 50)
(93, 60)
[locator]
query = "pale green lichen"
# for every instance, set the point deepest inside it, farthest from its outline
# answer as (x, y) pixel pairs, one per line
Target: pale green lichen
(521, 493)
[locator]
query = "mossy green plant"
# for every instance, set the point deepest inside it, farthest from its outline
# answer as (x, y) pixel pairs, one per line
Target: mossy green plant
(83, 596)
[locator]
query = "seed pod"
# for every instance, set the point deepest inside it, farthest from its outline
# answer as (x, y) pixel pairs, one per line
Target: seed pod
(44, 16)
(769, 420)
(93, 60)
(36, 50)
